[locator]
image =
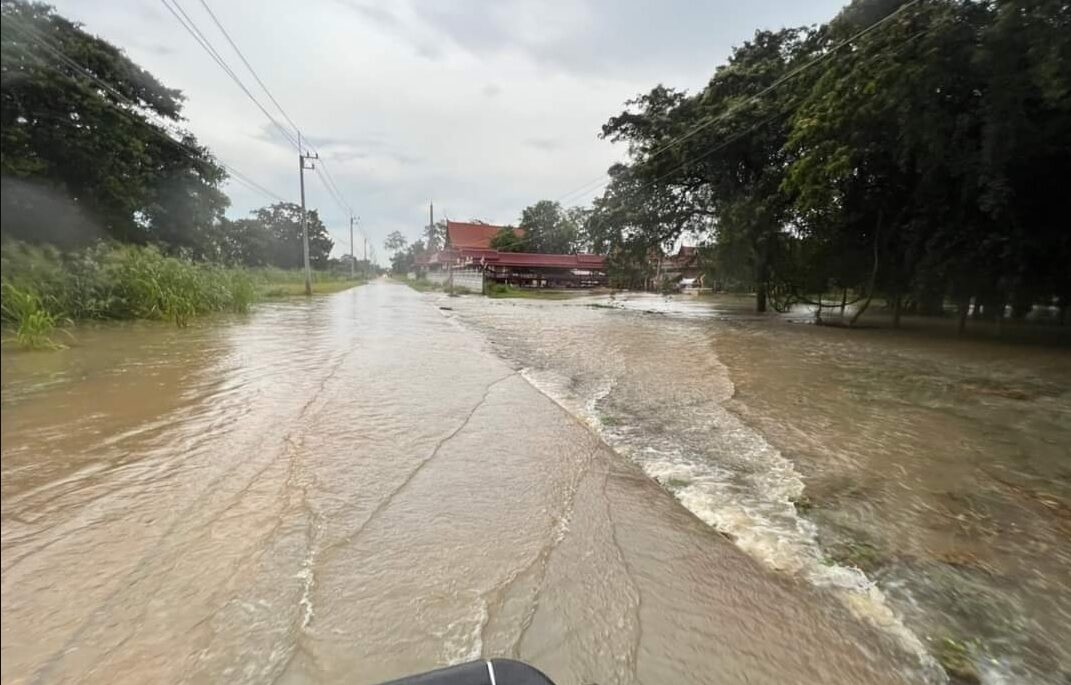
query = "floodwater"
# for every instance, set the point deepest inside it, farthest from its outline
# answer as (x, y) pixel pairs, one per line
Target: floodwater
(924, 482)
(358, 486)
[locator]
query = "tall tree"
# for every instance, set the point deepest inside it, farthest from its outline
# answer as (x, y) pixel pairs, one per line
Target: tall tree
(395, 242)
(548, 228)
(435, 236)
(281, 222)
(507, 240)
(82, 122)
(720, 153)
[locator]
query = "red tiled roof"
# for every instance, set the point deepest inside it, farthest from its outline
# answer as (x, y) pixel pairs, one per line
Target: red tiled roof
(686, 257)
(519, 259)
(560, 261)
(474, 236)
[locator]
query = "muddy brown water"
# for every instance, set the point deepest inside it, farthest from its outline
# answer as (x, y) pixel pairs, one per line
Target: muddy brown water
(924, 481)
(363, 485)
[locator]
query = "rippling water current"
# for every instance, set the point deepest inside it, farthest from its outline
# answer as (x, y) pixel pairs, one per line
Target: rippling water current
(639, 490)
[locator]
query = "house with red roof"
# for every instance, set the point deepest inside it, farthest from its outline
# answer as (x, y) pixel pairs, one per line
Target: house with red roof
(468, 247)
(474, 236)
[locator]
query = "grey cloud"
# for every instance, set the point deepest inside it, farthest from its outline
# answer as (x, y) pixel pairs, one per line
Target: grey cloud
(491, 90)
(270, 133)
(375, 13)
(544, 144)
(353, 149)
(638, 35)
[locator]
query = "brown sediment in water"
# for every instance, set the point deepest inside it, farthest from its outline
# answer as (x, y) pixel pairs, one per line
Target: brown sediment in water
(819, 449)
(352, 488)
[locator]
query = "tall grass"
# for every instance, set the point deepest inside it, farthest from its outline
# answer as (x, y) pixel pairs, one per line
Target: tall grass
(33, 325)
(43, 287)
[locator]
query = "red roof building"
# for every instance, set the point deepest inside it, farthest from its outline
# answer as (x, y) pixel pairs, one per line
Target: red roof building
(467, 236)
(525, 269)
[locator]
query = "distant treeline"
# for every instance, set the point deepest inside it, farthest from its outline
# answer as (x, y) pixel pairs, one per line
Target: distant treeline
(94, 147)
(917, 150)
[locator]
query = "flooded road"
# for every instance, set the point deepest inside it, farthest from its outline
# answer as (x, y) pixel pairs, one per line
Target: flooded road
(924, 483)
(358, 486)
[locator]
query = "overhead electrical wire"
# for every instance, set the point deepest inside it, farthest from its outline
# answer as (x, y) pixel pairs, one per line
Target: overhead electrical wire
(191, 27)
(741, 134)
(241, 56)
(603, 180)
(297, 139)
(136, 111)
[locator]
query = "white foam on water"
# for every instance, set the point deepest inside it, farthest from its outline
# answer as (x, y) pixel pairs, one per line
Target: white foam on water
(749, 497)
(461, 640)
(308, 582)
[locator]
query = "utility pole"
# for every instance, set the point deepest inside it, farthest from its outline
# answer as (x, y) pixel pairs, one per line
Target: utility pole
(302, 158)
(450, 260)
(366, 256)
(353, 257)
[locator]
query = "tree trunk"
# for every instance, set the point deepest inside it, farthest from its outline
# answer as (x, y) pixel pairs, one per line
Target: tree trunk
(843, 301)
(761, 278)
(964, 309)
(897, 307)
(873, 275)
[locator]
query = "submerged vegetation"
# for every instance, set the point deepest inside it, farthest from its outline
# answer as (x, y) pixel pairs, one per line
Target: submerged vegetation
(44, 288)
(124, 219)
(500, 290)
(33, 325)
(111, 281)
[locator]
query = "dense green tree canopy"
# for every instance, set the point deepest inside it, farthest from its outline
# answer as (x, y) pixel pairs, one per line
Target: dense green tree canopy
(507, 240)
(86, 128)
(911, 148)
(271, 236)
(549, 228)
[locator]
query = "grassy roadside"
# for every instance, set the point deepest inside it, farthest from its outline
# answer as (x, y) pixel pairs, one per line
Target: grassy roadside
(421, 285)
(44, 289)
(272, 291)
(273, 283)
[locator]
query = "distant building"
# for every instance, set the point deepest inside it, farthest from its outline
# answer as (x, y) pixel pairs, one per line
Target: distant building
(468, 247)
(684, 268)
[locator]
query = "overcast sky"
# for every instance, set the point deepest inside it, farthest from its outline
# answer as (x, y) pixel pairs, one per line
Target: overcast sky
(482, 107)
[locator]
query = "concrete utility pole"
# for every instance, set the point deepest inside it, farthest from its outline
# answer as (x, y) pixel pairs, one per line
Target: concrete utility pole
(353, 257)
(302, 158)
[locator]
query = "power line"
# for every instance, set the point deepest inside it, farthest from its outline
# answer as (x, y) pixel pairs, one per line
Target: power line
(202, 40)
(326, 177)
(741, 134)
(249, 66)
(603, 180)
(160, 127)
(777, 115)
(338, 200)
(329, 180)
